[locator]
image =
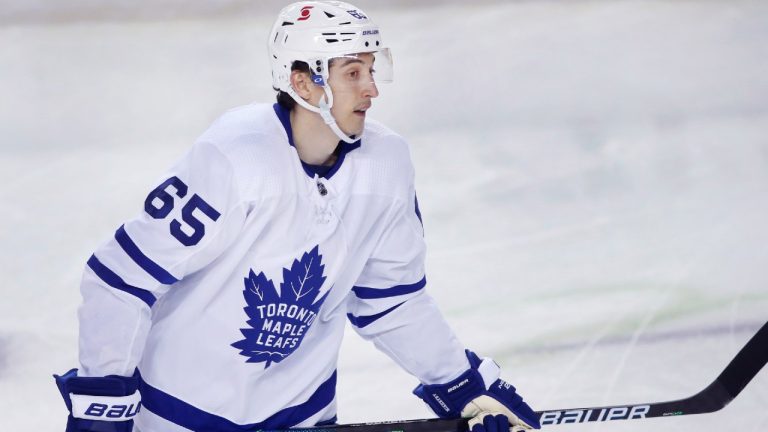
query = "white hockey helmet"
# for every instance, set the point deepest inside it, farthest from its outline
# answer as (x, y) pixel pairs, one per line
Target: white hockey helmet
(315, 32)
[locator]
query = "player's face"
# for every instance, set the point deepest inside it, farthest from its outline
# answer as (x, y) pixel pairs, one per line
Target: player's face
(353, 86)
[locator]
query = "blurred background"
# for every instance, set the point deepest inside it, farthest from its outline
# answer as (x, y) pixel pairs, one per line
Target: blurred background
(593, 177)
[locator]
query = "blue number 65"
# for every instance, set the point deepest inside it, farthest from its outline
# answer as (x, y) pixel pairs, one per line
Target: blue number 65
(161, 209)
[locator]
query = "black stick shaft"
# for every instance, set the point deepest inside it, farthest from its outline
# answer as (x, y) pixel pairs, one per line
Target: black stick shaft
(739, 372)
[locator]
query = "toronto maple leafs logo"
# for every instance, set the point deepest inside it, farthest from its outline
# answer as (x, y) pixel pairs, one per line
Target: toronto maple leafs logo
(277, 323)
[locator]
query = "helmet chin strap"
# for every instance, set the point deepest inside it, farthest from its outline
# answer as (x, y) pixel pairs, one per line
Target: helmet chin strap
(324, 110)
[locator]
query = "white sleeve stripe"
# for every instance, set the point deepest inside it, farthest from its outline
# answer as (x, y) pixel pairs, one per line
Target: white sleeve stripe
(133, 251)
(112, 279)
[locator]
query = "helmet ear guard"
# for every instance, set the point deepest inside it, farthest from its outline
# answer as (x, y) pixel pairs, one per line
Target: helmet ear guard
(319, 70)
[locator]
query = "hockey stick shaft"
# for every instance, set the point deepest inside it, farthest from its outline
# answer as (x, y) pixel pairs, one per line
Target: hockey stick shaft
(739, 372)
(731, 381)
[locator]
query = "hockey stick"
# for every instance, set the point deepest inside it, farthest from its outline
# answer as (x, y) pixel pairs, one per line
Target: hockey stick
(731, 381)
(716, 396)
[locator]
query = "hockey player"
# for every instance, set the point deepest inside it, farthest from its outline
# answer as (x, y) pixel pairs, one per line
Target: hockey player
(221, 307)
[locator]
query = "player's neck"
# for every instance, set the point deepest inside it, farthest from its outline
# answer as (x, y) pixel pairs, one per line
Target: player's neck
(314, 140)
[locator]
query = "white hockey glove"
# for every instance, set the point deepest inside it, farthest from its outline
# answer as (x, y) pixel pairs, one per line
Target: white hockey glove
(492, 404)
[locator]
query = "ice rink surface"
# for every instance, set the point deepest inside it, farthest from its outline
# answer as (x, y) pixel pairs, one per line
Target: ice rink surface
(593, 177)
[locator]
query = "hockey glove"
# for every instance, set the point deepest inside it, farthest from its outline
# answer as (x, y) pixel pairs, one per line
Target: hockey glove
(100, 404)
(492, 404)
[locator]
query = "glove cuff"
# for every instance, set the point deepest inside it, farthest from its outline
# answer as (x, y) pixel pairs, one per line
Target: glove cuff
(447, 400)
(92, 401)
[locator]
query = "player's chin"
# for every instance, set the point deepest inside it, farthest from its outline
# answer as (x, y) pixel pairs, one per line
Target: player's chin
(355, 125)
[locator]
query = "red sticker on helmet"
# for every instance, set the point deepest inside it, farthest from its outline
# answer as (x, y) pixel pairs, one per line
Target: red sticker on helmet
(305, 11)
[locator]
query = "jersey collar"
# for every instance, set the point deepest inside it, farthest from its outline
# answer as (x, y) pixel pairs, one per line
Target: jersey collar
(285, 119)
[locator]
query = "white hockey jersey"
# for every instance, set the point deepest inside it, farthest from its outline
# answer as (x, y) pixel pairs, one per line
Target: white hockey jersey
(230, 291)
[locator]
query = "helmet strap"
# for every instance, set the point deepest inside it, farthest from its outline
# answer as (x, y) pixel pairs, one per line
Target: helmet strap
(325, 113)
(324, 110)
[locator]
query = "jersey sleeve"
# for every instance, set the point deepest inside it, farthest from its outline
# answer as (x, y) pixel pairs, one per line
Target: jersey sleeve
(389, 304)
(187, 221)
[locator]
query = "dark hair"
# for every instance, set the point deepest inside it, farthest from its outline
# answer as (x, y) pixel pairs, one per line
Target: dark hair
(284, 99)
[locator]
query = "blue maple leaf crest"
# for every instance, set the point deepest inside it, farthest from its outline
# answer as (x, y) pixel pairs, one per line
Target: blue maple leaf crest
(277, 323)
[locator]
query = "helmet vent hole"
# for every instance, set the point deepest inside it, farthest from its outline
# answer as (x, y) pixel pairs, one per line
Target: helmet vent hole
(346, 40)
(345, 23)
(329, 15)
(331, 40)
(366, 43)
(329, 34)
(286, 23)
(347, 33)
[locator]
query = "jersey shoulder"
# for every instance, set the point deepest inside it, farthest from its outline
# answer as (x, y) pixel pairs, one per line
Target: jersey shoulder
(251, 125)
(383, 141)
(253, 142)
(386, 146)
(386, 160)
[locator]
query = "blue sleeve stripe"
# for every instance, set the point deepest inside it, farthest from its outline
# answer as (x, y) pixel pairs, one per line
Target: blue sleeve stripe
(365, 321)
(377, 293)
(418, 212)
(115, 281)
(330, 422)
(133, 251)
(185, 415)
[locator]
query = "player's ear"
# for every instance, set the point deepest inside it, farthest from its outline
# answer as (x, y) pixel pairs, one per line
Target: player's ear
(302, 84)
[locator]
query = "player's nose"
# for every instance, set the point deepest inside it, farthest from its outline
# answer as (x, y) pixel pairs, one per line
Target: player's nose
(370, 90)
